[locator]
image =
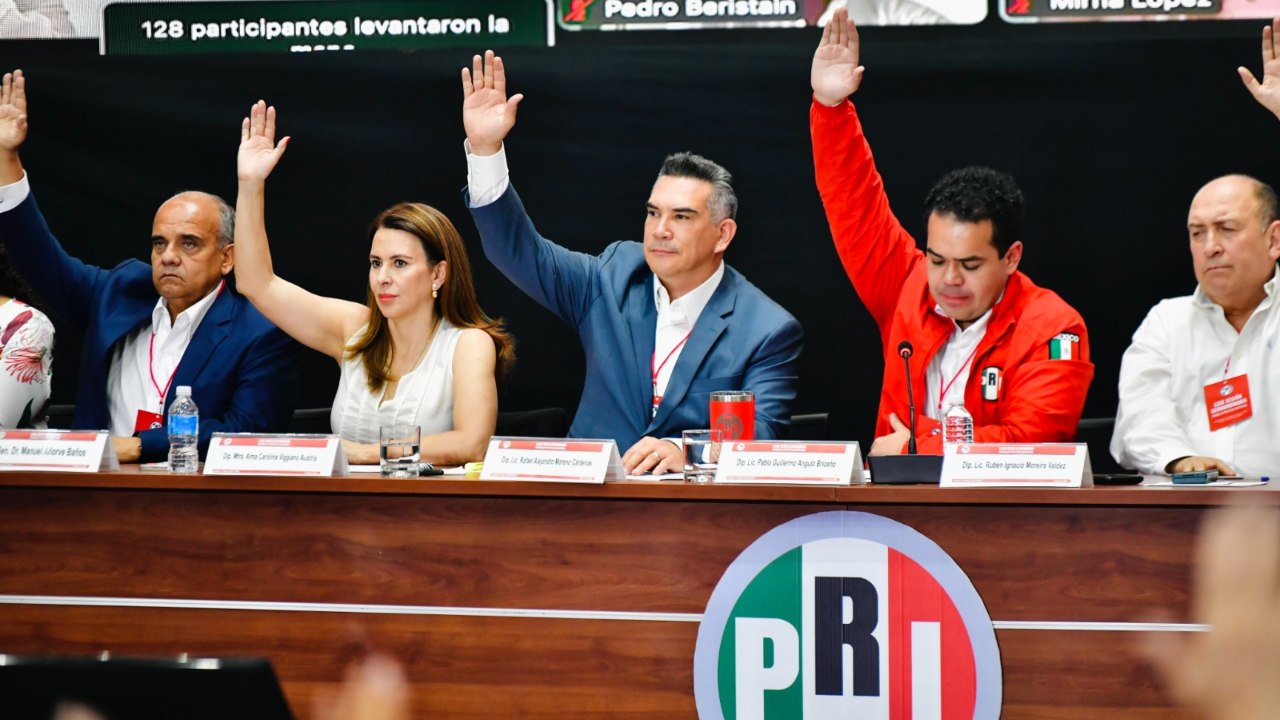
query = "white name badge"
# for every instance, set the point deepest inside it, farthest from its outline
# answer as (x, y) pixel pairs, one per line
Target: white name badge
(251, 454)
(1016, 465)
(803, 463)
(552, 460)
(57, 450)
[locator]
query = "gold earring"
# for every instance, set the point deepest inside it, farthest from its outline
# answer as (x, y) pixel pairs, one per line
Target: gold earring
(435, 293)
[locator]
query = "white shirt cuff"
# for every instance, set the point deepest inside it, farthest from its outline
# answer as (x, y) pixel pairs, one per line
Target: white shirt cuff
(487, 176)
(13, 194)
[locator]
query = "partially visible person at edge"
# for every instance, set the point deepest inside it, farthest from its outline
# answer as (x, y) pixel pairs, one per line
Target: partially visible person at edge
(664, 322)
(1231, 671)
(26, 353)
(1200, 384)
(1014, 354)
(419, 352)
(149, 329)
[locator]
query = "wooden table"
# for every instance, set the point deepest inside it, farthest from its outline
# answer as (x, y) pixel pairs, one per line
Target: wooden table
(559, 601)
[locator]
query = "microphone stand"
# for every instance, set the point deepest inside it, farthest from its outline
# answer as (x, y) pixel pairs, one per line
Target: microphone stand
(911, 468)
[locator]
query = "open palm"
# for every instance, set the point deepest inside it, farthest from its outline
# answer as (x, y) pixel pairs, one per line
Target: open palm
(836, 73)
(259, 151)
(13, 111)
(1267, 92)
(487, 113)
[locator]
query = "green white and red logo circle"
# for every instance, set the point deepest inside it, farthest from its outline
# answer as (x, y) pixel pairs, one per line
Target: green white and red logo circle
(844, 615)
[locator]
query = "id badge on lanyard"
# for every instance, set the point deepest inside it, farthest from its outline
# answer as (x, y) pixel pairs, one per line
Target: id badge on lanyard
(1227, 402)
(147, 421)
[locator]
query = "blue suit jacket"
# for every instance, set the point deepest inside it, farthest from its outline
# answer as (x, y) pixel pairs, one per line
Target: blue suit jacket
(241, 368)
(742, 340)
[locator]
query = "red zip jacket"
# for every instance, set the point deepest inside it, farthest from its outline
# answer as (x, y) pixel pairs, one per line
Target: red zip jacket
(1016, 391)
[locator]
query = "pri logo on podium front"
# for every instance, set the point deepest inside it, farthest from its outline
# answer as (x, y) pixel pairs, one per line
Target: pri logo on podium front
(844, 615)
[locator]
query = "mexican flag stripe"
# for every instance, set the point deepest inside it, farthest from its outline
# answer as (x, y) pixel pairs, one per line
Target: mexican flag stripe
(1061, 348)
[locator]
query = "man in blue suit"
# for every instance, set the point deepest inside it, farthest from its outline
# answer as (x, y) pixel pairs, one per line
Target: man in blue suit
(149, 329)
(663, 323)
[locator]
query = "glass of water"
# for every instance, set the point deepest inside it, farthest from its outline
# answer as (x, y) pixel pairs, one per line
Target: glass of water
(701, 453)
(398, 447)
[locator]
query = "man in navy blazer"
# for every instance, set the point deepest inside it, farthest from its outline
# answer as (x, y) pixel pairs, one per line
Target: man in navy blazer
(150, 329)
(663, 323)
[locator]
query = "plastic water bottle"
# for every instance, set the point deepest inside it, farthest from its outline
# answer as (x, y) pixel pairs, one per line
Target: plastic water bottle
(184, 433)
(957, 425)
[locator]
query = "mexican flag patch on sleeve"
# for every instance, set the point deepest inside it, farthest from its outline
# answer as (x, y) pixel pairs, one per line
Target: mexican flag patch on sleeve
(1063, 346)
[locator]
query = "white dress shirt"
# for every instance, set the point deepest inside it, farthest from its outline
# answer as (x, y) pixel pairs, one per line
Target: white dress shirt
(143, 362)
(487, 175)
(14, 193)
(1183, 345)
(675, 323)
(952, 365)
(488, 178)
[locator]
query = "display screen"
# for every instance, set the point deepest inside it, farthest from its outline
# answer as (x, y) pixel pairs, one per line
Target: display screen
(307, 26)
(191, 26)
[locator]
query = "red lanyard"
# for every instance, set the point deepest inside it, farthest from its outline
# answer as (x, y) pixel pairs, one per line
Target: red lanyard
(151, 370)
(151, 359)
(1227, 370)
(944, 388)
(655, 370)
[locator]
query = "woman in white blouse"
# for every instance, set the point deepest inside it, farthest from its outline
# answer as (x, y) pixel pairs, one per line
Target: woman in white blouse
(420, 352)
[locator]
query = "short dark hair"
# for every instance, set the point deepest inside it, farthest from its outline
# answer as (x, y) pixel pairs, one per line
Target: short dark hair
(974, 194)
(1268, 203)
(723, 203)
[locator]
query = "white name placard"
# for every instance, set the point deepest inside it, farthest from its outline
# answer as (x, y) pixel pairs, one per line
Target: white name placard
(57, 450)
(251, 454)
(1016, 465)
(803, 463)
(552, 460)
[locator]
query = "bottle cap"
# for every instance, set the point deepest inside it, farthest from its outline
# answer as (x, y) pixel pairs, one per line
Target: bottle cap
(184, 391)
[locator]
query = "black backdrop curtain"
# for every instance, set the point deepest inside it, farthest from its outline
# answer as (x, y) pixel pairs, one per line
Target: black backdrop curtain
(1109, 132)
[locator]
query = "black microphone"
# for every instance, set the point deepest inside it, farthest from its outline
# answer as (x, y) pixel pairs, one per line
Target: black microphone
(905, 350)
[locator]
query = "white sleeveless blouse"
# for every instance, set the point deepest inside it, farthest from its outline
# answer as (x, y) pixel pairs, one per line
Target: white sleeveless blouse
(424, 396)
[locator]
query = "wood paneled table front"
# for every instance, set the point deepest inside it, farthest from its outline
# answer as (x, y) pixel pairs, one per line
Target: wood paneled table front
(513, 600)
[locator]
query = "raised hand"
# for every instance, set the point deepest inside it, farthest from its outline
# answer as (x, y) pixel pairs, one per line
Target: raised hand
(487, 113)
(1267, 92)
(836, 73)
(13, 111)
(259, 151)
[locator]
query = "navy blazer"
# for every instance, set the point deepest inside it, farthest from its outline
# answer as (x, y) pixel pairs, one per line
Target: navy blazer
(742, 340)
(242, 369)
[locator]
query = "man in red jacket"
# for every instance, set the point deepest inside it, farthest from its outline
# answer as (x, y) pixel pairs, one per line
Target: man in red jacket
(1014, 354)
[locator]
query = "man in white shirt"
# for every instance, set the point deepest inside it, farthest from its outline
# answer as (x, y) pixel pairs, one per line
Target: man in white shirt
(149, 329)
(1200, 385)
(663, 324)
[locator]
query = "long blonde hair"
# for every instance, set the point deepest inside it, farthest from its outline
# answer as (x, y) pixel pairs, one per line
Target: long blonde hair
(456, 302)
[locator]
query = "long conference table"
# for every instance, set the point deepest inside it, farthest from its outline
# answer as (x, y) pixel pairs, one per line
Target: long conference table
(535, 600)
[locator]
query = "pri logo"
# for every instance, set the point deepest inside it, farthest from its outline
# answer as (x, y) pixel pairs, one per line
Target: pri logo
(1226, 390)
(843, 615)
(730, 425)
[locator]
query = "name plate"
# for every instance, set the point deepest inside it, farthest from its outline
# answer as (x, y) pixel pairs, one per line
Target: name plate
(252, 454)
(801, 463)
(1016, 465)
(552, 460)
(57, 450)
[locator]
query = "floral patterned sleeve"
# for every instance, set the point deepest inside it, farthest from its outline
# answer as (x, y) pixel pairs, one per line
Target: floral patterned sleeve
(26, 357)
